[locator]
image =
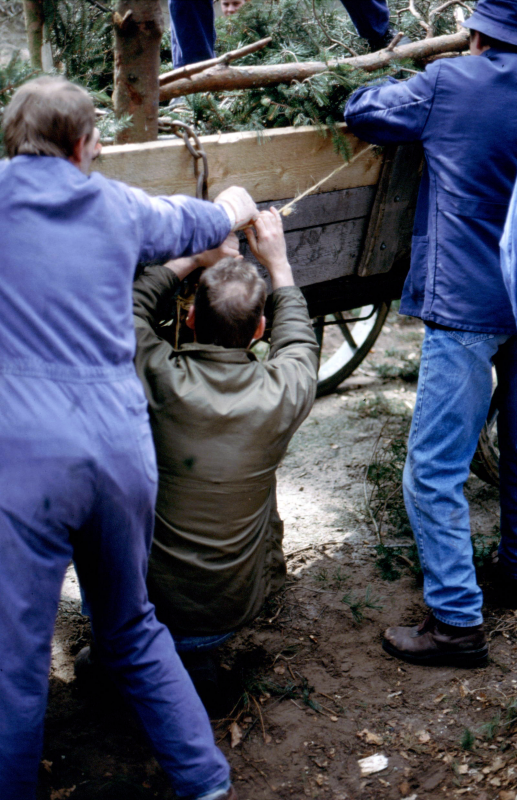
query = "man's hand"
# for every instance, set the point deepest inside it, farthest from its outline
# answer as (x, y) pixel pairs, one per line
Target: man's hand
(239, 204)
(228, 249)
(184, 266)
(268, 246)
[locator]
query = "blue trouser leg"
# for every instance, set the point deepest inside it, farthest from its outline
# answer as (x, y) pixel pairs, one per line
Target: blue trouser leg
(78, 477)
(192, 31)
(506, 366)
(370, 17)
(453, 397)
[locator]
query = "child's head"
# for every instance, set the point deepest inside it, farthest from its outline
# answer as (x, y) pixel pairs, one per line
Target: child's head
(229, 7)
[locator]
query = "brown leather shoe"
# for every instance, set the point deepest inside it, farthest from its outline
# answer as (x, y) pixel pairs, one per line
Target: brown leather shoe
(433, 643)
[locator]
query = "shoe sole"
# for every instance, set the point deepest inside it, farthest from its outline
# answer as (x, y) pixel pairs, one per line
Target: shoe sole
(468, 659)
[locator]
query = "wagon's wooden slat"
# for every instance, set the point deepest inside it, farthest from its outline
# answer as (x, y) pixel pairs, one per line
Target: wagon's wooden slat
(322, 209)
(389, 231)
(279, 165)
(323, 252)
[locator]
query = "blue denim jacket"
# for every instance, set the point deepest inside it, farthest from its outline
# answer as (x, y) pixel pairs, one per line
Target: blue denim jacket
(69, 247)
(464, 111)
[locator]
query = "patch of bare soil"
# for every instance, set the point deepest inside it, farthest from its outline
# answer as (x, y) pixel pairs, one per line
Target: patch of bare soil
(316, 693)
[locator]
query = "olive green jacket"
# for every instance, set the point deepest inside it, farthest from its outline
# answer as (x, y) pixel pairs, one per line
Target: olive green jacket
(221, 423)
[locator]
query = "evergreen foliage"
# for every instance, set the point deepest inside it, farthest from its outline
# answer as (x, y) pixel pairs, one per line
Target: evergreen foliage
(81, 36)
(12, 75)
(302, 30)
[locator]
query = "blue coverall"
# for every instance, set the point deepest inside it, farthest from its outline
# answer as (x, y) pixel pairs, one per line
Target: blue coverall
(77, 465)
(193, 32)
(464, 111)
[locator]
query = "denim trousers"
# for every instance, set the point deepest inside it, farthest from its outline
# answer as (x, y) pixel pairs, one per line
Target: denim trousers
(453, 398)
(78, 479)
(193, 32)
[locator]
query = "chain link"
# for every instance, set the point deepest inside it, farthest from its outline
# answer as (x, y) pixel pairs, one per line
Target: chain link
(197, 151)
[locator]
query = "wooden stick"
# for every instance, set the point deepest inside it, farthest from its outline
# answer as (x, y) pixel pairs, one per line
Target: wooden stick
(286, 210)
(220, 78)
(192, 69)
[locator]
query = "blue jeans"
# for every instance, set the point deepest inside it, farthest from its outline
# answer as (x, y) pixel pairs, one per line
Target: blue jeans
(370, 17)
(453, 398)
(193, 32)
(78, 479)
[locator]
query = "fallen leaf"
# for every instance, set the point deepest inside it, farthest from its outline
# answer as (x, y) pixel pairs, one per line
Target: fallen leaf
(61, 794)
(369, 737)
(47, 765)
(319, 780)
(334, 719)
(371, 764)
(404, 788)
(463, 769)
(423, 737)
(279, 669)
(235, 734)
(439, 698)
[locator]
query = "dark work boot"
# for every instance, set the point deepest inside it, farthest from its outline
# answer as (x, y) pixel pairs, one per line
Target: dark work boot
(434, 643)
(90, 674)
(380, 42)
(504, 585)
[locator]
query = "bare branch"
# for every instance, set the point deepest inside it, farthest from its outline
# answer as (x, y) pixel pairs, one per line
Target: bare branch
(232, 55)
(421, 21)
(327, 34)
(230, 78)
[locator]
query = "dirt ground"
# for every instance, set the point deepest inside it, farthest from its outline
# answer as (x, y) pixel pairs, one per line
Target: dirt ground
(316, 693)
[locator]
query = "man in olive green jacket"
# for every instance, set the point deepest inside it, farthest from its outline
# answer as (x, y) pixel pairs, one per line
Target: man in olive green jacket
(221, 423)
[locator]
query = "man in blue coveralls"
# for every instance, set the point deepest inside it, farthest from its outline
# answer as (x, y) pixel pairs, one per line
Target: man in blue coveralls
(464, 111)
(77, 465)
(193, 32)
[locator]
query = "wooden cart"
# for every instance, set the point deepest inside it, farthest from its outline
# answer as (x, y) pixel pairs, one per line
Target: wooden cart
(349, 243)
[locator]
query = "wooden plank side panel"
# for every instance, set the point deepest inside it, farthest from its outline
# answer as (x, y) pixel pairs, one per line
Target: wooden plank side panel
(322, 253)
(328, 207)
(281, 163)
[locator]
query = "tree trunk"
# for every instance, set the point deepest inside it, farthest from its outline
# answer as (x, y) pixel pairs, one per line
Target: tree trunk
(229, 78)
(138, 33)
(34, 21)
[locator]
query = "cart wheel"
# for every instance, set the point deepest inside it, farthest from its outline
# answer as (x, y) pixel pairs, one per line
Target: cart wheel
(485, 463)
(345, 339)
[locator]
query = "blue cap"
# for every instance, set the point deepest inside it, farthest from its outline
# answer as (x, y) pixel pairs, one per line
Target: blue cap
(495, 18)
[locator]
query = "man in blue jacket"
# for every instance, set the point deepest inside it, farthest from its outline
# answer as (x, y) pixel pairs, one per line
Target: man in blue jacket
(77, 466)
(193, 32)
(464, 111)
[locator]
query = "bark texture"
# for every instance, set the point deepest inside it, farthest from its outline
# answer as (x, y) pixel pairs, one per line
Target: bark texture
(138, 31)
(228, 78)
(34, 21)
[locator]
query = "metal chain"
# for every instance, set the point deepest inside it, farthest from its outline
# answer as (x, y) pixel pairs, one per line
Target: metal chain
(197, 151)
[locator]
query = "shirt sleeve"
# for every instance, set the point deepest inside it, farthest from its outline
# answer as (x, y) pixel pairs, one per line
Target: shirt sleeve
(393, 111)
(153, 297)
(171, 227)
(294, 352)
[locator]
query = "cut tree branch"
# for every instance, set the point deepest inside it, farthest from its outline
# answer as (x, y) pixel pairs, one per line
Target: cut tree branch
(193, 69)
(220, 78)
